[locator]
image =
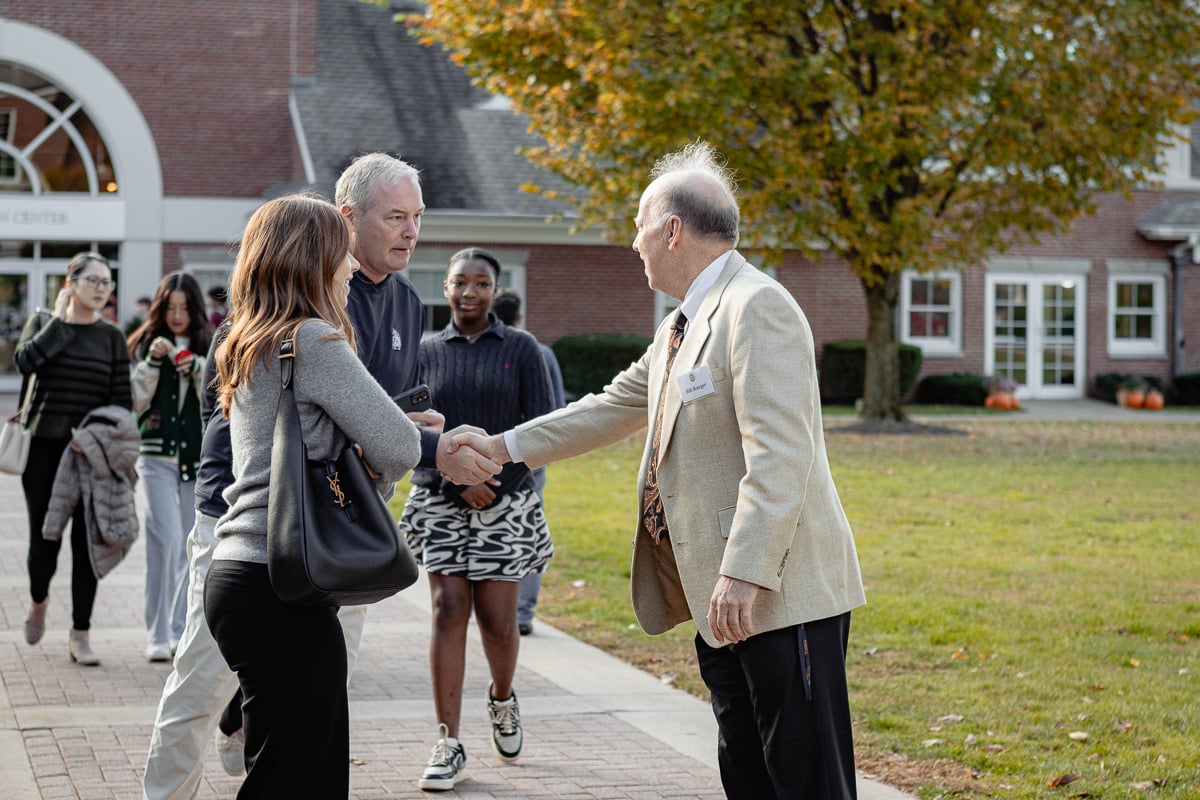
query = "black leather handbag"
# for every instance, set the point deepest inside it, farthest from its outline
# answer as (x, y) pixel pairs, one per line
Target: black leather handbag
(331, 540)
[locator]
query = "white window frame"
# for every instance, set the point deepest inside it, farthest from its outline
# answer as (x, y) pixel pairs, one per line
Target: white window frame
(1156, 345)
(1176, 170)
(10, 114)
(933, 346)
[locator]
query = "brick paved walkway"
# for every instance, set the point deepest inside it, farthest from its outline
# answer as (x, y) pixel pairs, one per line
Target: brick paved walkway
(595, 728)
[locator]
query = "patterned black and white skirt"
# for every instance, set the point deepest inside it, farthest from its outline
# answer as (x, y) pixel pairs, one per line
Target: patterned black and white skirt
(502, 543)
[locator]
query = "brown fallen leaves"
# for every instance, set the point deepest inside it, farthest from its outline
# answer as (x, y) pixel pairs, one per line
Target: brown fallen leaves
(1063, 780)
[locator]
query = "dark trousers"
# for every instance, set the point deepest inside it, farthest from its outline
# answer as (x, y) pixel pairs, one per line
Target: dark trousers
(291, 665)
(775, 738)
(38, 481)
(231, 718)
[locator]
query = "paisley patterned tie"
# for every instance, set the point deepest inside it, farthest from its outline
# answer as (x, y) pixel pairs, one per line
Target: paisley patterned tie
(653, 515)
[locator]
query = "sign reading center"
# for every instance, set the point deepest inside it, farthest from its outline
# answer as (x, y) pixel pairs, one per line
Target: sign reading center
(58, 218)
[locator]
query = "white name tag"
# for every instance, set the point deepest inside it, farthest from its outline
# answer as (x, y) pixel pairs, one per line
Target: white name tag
(695, 383)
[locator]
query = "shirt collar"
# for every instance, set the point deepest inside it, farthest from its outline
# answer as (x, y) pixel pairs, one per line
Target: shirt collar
(701, 284)
(362, 278)
(451, 332)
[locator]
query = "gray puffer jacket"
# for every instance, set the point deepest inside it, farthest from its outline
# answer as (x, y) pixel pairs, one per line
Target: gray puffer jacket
(104, 477)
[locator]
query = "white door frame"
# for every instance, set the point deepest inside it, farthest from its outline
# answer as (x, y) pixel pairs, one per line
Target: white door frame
(1035, 342)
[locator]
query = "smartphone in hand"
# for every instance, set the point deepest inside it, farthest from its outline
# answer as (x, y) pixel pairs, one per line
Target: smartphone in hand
(415, 399)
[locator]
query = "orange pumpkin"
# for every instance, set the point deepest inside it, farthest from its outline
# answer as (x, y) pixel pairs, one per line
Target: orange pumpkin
(1136, 398)
(1153, 400)
(1002, 401)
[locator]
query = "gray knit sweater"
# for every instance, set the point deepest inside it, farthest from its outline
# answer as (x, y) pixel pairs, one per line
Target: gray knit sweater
(339, 402)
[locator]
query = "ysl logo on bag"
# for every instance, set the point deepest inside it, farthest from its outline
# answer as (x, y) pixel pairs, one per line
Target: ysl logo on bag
(335, 486)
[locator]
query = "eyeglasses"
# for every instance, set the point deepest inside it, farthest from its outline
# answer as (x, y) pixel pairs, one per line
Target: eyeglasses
(96, 282)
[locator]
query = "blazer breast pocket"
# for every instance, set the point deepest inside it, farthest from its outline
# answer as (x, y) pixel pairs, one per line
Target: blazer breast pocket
(725, 520)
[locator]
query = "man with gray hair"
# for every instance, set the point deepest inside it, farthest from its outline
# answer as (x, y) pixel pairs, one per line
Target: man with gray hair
(381, 198)
(740, 527)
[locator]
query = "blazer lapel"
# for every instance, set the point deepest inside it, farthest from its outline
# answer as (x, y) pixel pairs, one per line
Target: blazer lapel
(693, 344)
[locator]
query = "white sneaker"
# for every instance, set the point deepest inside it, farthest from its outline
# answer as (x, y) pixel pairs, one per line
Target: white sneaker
(506, 726)
(447, 764)
(158, 652)
(231, 750)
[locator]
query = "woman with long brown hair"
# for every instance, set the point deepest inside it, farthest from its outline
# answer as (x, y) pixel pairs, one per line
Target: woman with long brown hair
(291, 281)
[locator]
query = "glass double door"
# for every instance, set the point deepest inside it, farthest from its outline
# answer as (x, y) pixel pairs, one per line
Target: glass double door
(16, 305)
(1035, 333)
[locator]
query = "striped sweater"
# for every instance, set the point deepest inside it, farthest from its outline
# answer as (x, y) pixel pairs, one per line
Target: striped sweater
(78, 368)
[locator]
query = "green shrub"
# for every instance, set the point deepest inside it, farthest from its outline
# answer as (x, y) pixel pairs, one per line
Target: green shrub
(1107, 383)
(590, 361)
(1185, 390)
(959, 388)
(844, 369)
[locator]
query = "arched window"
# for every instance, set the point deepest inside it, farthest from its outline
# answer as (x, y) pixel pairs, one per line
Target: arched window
(47, 141)
(49, 146)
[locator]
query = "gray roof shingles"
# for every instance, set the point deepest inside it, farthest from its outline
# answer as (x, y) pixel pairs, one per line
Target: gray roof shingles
(378, 88)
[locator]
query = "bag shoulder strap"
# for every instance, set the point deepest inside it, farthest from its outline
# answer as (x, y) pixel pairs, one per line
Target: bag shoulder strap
(287, 357)
(287, 413)
(29, 381)
(22, 414)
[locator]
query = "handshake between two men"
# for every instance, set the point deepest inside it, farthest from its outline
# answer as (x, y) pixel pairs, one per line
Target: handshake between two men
(468, 456)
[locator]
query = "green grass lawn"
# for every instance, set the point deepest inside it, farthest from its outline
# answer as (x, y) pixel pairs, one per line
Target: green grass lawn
(1028, 583)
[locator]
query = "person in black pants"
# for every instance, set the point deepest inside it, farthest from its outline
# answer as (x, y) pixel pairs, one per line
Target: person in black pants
(77, 361)
(291, 280)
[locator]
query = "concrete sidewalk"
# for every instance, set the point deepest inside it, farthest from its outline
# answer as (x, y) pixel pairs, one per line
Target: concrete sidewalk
(1081, 410)
(595, 727)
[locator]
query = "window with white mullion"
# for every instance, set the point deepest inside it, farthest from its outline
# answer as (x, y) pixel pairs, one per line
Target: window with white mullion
(1137, 315)
(931, 312)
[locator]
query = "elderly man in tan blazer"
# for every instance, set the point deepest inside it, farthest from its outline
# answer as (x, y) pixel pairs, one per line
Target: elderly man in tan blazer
(740, 525)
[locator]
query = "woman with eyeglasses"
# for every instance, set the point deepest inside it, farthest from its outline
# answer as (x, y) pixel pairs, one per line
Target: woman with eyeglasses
(78, 362)
(168, 376)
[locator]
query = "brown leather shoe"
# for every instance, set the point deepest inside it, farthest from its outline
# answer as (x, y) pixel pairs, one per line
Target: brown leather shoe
(81, 649)
(35, 621)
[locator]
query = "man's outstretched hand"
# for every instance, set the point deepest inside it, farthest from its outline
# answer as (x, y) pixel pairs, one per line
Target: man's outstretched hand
(492, 447)
(460, 462)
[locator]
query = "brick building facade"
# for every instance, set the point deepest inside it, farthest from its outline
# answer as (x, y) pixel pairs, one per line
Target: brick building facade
(163, 126)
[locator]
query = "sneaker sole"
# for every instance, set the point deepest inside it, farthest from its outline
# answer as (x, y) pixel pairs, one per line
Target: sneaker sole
(503, 756)
(440, 784)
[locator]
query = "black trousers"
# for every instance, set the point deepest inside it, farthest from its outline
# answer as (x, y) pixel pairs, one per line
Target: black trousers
(231, 718)
(776, 736)
(291, 665)
(38, 481)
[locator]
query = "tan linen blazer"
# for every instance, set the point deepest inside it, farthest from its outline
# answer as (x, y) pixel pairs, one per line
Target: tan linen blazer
(743, 473)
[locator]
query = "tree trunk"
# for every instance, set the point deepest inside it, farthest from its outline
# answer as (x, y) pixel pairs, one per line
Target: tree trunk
(881, 385)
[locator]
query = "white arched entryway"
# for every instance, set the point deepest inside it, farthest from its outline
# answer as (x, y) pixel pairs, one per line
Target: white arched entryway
(130, 216)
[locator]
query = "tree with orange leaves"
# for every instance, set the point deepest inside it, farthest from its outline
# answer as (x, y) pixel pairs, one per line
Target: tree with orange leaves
(904, 135)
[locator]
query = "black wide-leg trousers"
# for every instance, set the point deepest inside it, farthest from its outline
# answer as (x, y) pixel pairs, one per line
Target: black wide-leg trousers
(783, 712)
(291, 666)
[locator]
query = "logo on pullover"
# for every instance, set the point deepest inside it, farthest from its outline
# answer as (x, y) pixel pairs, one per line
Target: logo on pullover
(396, 342)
